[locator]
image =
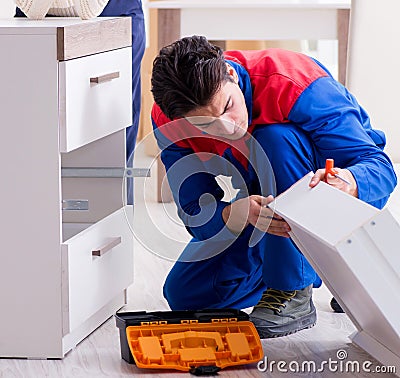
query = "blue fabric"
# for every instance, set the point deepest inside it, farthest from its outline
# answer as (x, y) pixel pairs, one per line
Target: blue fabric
(232, 279)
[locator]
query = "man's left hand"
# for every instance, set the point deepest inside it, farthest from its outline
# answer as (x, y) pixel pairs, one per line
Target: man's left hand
(336, 182)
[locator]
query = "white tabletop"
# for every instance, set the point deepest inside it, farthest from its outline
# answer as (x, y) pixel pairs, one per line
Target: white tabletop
(314, 4)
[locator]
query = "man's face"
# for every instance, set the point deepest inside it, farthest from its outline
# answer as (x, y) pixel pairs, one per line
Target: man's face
(226, 115)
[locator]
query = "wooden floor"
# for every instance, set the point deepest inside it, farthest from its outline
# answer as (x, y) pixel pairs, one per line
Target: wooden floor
(99, 354)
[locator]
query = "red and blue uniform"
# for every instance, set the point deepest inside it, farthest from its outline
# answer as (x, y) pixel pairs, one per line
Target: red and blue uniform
(298, 117)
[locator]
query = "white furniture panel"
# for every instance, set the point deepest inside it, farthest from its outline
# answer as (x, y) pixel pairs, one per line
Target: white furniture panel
(354, 249)
(95, 97)
(53, 292)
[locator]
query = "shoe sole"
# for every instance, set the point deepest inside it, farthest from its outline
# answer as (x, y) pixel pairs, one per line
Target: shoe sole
(305, 322)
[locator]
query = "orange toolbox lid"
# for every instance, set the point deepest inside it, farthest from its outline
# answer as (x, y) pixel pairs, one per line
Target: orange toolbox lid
(222, 342)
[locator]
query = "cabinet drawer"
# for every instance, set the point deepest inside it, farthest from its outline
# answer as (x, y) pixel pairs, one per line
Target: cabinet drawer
(95, 97)
(97, 265)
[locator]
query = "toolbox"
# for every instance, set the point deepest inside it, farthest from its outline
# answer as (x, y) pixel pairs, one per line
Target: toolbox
(187, 340)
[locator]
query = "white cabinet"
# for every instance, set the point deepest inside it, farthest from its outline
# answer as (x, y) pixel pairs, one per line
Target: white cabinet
(65, 101)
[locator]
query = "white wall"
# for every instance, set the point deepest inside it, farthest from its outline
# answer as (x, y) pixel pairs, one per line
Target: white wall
(7, 8)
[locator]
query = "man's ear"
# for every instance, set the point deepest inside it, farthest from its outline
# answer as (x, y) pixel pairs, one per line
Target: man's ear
(232, 73)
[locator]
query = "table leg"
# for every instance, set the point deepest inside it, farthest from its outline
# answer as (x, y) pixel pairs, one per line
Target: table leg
(169, 29)
(343, 18)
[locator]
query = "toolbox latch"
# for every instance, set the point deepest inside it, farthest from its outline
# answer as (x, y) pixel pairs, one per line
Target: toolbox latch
(224, 320)
(154, 322)
(187, 321)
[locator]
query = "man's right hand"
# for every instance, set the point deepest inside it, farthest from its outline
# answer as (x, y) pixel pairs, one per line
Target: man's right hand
(252, 210)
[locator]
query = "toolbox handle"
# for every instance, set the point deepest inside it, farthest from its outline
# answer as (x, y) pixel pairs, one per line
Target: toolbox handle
(106, 247)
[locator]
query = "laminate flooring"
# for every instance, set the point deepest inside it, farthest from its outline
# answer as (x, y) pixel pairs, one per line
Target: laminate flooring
(99, 354)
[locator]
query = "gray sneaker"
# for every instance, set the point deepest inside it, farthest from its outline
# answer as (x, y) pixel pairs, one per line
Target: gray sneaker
(280, 313)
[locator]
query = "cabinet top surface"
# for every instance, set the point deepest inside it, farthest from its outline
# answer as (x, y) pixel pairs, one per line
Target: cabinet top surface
(49, 25)
(74, 37)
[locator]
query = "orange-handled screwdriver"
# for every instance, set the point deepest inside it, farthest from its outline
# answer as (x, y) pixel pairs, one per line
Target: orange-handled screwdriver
(329, 164)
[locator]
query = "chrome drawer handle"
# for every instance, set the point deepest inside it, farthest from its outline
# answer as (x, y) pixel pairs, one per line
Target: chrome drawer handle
(104, 78)
(71, 204)
(108, 246)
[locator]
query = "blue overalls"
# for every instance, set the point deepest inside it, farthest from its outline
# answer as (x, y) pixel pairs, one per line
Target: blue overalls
(218, 269)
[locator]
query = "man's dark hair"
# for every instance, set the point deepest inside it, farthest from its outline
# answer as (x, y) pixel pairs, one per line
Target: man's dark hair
(186, 75)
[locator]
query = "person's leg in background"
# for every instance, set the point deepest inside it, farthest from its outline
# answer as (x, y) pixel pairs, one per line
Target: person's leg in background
(134, 9)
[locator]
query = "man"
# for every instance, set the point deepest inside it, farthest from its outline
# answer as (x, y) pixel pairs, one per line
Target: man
(228, 110)
(38, 9)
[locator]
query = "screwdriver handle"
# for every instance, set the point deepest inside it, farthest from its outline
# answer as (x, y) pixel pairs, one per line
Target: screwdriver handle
(329, 164)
